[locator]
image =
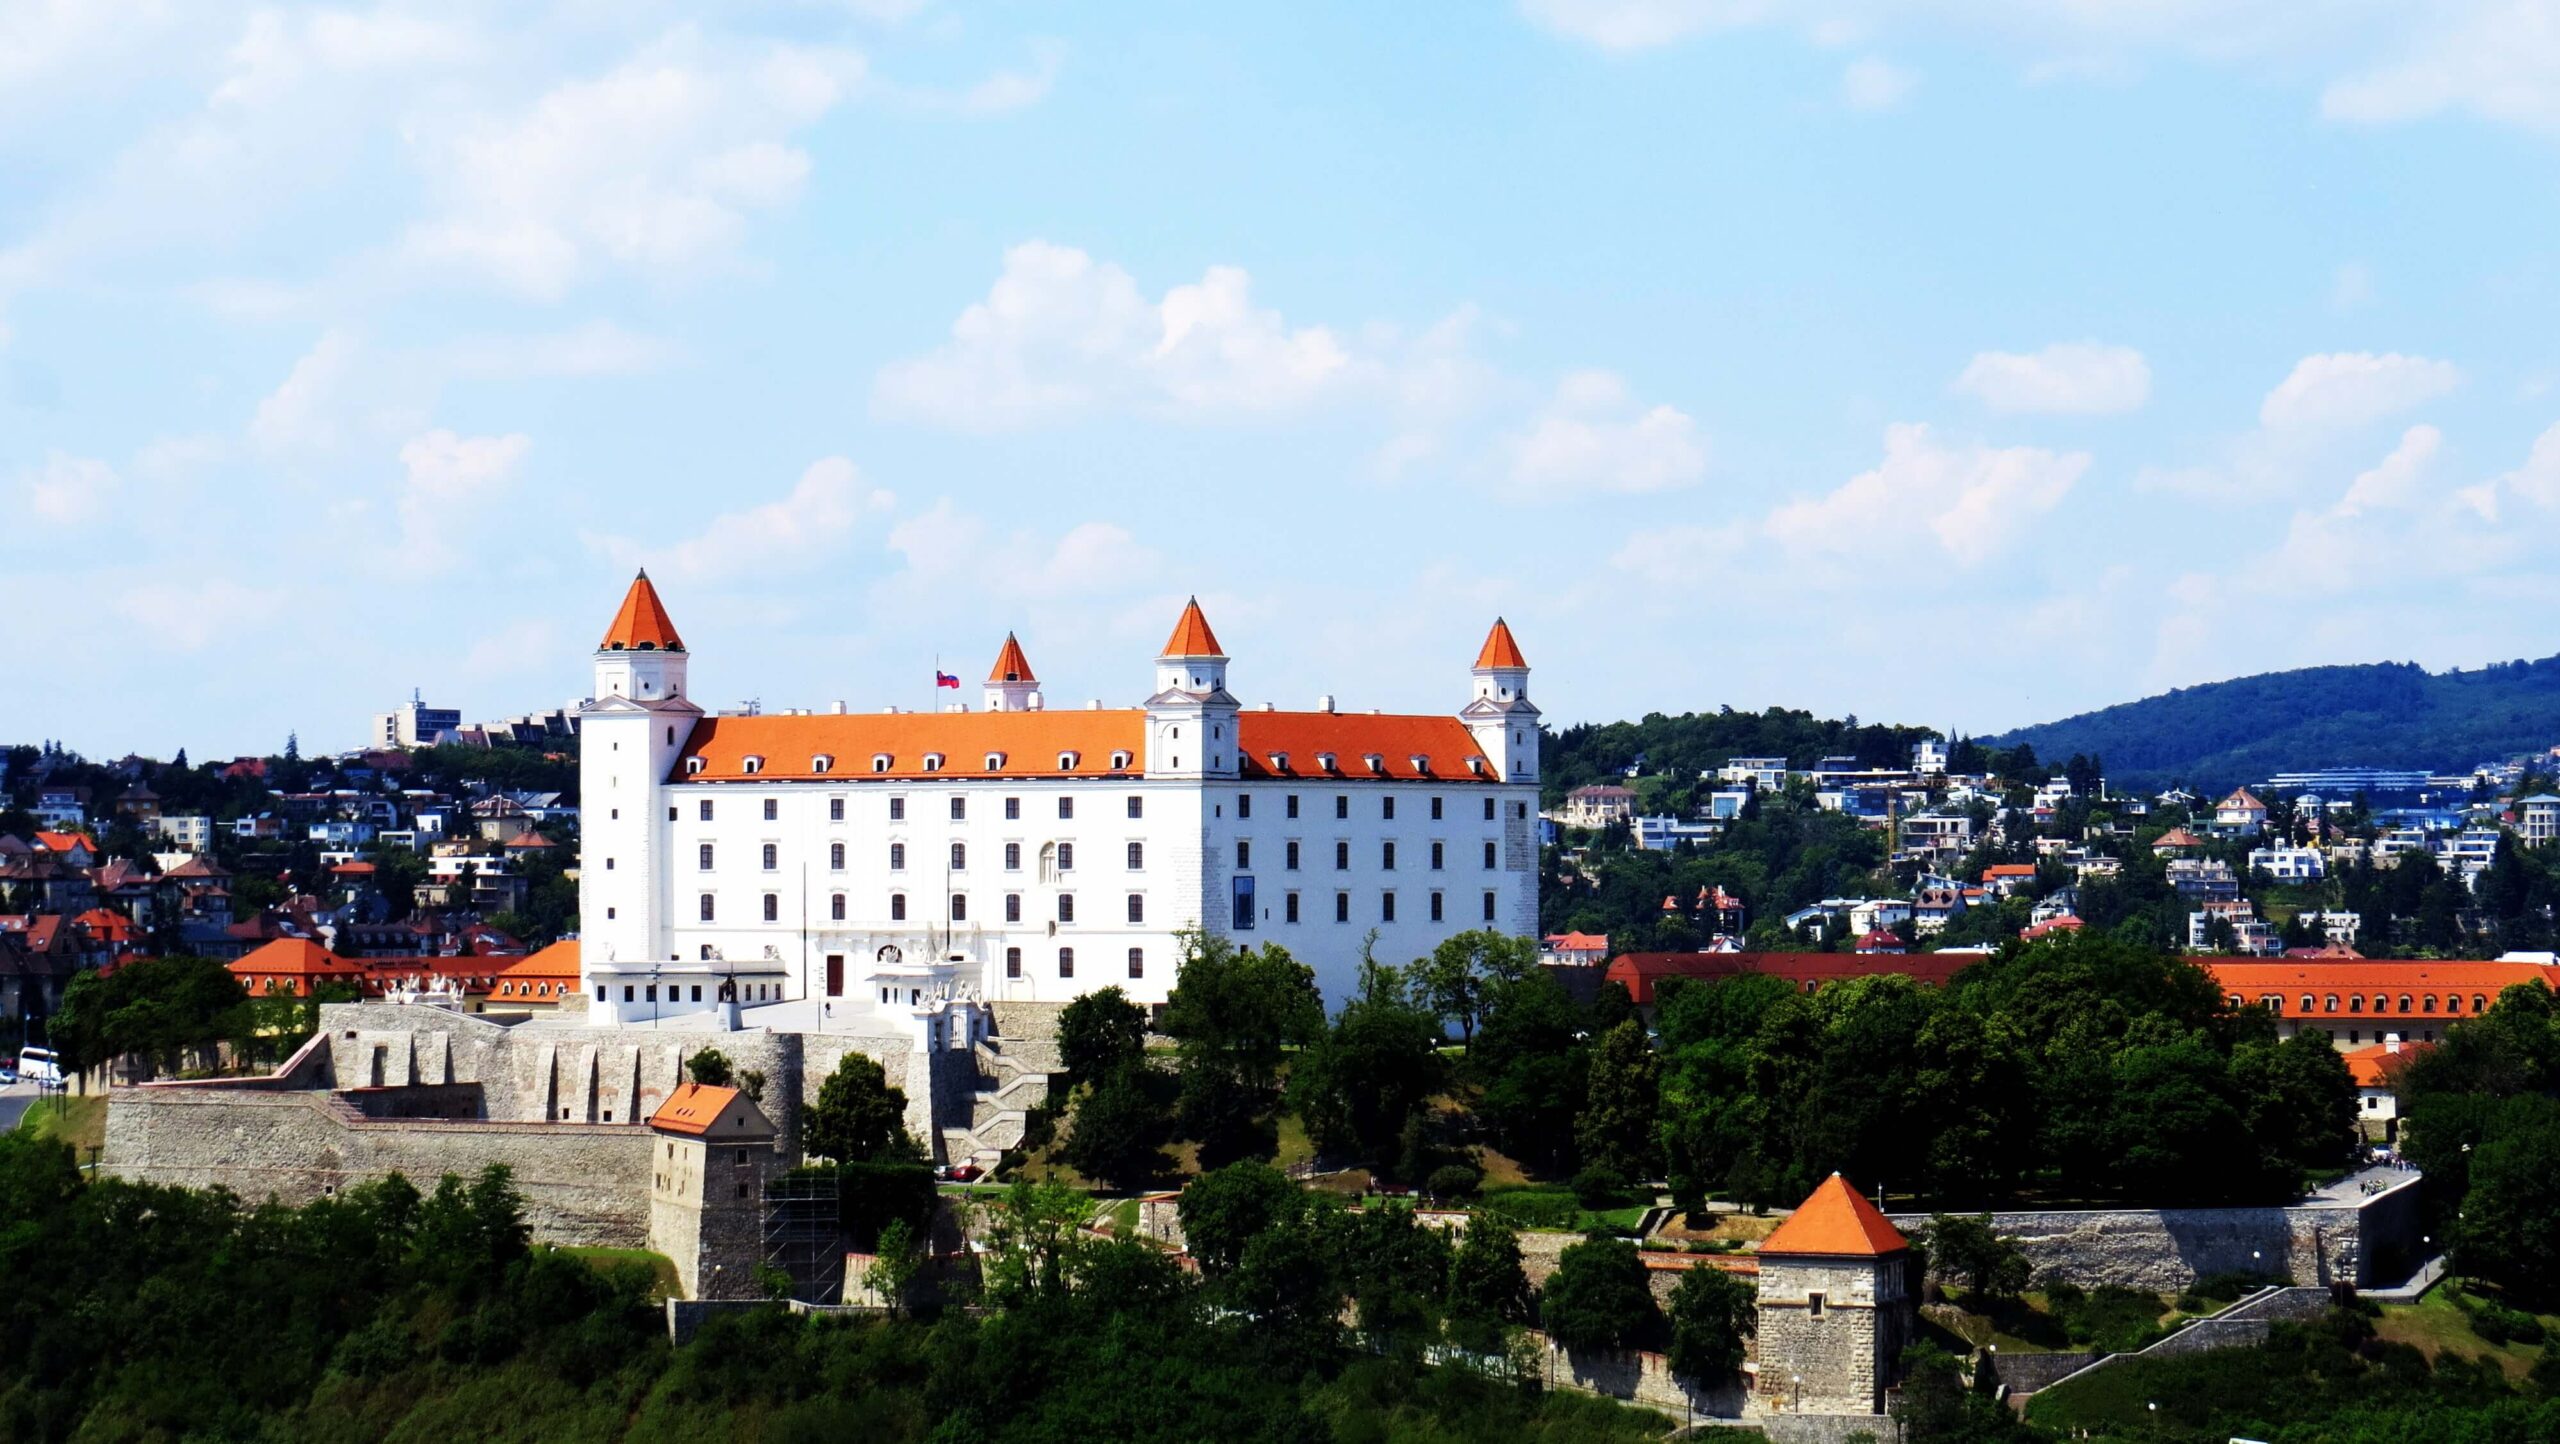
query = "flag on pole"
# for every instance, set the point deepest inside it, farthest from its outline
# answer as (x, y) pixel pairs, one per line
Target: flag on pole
(944, 679)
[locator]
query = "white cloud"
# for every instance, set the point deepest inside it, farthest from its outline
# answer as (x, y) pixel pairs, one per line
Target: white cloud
(598, 348)
(2498, 60)
(447, 477)
(522, 648)
(1628, 25)
(2068, 378)
(68, 490)
(1873, 83)
(192, 615)
(2352, 388)
(805, 527)
(2393, 482)
(282, 50)
(1594, 436)
(1061, 333)
(655, 165)
(302, 412)
(1093, 558)
(2538, 480)
(1973, 500)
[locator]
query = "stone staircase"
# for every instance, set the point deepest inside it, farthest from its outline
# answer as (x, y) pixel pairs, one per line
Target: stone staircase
(1012, 1078)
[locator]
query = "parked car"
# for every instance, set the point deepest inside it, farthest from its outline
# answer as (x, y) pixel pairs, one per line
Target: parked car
(8, 1075)
(965, 1173)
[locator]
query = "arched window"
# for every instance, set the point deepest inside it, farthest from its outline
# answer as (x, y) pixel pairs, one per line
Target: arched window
(2427, 1004)
(2404, 1002)
(822, 763)
(751, 766)
(2355, 1002)
(2306, 1004)
(879, 761)
(1119, 761)
(2479, 1004)
(692, 765)
(933, 762)
(2381, 1004)
(995, 762)
(1067, 761)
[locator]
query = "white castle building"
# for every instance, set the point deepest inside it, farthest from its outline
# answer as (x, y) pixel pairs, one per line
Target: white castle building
(882, 861)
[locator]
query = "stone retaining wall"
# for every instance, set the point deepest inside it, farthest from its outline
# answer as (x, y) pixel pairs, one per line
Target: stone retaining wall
(2165, 1250)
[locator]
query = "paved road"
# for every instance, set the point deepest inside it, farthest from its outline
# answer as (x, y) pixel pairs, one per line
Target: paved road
(13, 1102)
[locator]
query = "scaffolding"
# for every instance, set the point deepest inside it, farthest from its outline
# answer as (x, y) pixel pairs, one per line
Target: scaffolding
(804, 1236)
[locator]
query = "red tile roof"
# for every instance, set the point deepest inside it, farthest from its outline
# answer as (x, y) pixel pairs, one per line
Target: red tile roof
(693, 1108)
(1444, 744)
(554, 963)
(1500, 649)
(1578, 942)
(1011, 665)
(1191, 635)
(65, 841)
(642, 624)
(1836, 1222)
(2379, 1065)
(2435, 988)
(2008, 869)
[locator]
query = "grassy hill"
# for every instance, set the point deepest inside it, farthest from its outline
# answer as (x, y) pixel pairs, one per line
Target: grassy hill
(2387, 714)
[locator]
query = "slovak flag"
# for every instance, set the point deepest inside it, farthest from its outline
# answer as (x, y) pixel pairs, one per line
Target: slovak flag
(945, 679)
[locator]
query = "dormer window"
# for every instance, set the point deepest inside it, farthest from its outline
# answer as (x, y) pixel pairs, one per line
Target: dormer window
(1376, 763)
(1328, 762)
(751, 766)
(822, 763)
(933, 762)
(879, 761)
(1067, 761)
(1279, 761)
(995, 762)
(1476, 766)
(1119, 761)
(692, 765)
(1421, 763)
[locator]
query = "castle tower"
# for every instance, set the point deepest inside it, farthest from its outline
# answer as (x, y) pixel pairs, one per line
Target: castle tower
(630, 735)
(1010, 685)
(1835, 1307)
(1191, 719)
(710, 1157)
(1503, 719)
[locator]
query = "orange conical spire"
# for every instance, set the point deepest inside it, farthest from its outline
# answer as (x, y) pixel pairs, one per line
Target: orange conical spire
(643, 624)
(1499, 649)
(1011, 665)
(1838, 1221)
(1191, 635)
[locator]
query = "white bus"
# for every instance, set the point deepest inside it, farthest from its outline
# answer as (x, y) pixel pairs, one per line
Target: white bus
(39, 1065)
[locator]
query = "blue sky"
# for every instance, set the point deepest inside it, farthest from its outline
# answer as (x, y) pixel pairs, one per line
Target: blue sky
(1968, 363)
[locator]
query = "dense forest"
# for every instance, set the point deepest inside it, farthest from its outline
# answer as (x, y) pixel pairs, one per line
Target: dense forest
(1681, 747)
(2387, 714)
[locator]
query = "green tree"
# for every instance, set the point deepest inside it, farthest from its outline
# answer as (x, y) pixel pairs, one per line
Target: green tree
(1532, 1063)
(894, 1264)
(1968, 1251)
(1223, 1210)
(1034, 1247)
(1451, 984)
(1119, 1127)
(1099, 1033)
(1488, 1288)
(710, 1068)
(858, 1117)
(1232, 1014)
(1616, 1129)
(1396, 1269)
(2513, 1206)
(1366, 1079)
(1712, 1315)
(1597, 1298)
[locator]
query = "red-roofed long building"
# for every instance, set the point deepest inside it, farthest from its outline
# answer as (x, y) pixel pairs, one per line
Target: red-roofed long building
(878, 859)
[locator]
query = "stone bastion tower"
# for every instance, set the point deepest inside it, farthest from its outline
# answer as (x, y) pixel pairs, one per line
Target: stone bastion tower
(1836, 1305)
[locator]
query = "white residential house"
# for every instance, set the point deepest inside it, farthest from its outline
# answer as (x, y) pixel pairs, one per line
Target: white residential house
(2338, 926)
(2285, 863)
(2251, 934)
(2538, 818)
(1598, 805)
(185, 834)
(1929, 758)
(342, 832)
(2241, 812)
(1725, 805)
(1769, 774)
(1661, 834)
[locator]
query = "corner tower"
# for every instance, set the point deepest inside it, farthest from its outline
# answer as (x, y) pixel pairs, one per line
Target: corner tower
(1835, 1309)
(1010, 685)
(1503, 719)
(1191, 719)
(629, 736)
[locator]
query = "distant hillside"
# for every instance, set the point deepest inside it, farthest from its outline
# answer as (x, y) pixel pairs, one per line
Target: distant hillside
(2388, 714)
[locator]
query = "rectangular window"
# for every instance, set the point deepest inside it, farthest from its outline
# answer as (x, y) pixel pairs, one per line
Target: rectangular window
(1435, 907)
(1137, 856)
(1137, 962)
(1013, 857)
(1342, 804)
(1244, 853)
(835, 907)
(706, 809)
(1386, 907)
(772, 809)
(1066, 808)
(897, 907)
(1013, 962)
(1241, 910)
(705, 855)
(959, 809)
(898, 809)
(1438, 855)
(1387, 856)
(772, 856)
(1813, 1305)
(1012, 809)
(1342, 907)
(1488, 907)
(706, 907)
(1137, 807)
(959, 907)
(1244, 805)
(1488, 809)
(959, 857)
(1488, 854)
(1013, 907)
(835, 857)
(1289, 855)
(835, 809)
(1066, 907)
(1291, 807)
(1137, 907)
(897, 857)
(1066, 962)
(1342, 857)
(1435, 809)
(1066, 857)
(1520, 810)
(1387, 807)
(1289, 907)
(773, 907)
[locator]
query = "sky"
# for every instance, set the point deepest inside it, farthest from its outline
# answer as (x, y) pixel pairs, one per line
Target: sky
(1965, 363)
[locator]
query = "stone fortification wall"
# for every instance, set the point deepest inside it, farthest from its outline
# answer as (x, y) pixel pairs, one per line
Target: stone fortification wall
(1643, 1377)
(583, 1183)
(2165, 1250)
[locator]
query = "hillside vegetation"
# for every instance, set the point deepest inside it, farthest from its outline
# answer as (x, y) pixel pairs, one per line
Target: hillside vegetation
(2387, 714)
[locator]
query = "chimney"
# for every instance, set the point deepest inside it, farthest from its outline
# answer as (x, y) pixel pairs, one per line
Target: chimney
(837, 708)
(1325, 703)
(1037, 702)
(1093, 704)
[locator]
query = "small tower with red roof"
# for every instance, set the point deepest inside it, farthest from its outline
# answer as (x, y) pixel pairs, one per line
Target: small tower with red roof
(1191, 719)
(1503, 719)
(630, 734)
(1010, 685)
(1836, 1307)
